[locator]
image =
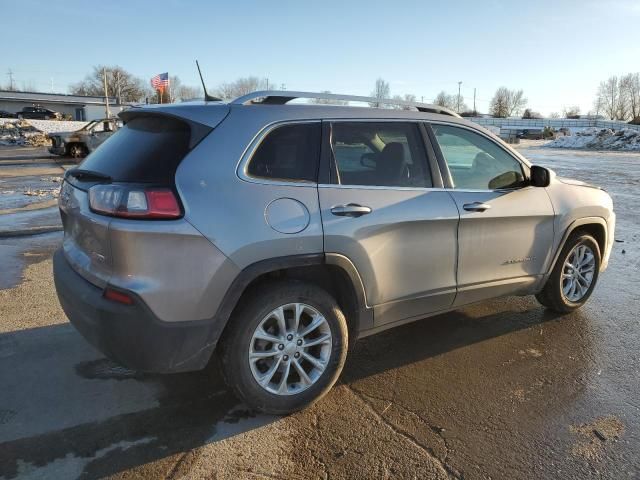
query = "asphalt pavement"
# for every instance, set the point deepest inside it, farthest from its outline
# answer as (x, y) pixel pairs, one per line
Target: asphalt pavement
(499, 390)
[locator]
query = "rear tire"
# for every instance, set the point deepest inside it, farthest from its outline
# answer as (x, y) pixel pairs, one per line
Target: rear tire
(574, 275)
(270, 367)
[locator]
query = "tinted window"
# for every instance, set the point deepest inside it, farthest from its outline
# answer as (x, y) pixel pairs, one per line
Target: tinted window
(290, 152)
(147, 149)
(475, 162)
(379, 154)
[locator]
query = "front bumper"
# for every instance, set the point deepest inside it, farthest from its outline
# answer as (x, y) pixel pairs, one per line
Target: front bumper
(131, 334)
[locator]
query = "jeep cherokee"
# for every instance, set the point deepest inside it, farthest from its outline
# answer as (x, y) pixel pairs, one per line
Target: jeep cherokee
(276, 233)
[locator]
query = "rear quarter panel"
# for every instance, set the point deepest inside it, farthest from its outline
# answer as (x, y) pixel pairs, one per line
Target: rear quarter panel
(229, 211)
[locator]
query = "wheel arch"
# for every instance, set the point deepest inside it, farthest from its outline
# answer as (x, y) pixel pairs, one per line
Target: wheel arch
(595, 226)
(333, 272)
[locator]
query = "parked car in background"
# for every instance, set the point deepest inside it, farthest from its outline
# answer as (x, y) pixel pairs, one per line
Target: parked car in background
(38, 113)
(278, 234)
(80, 143)
(5, 114)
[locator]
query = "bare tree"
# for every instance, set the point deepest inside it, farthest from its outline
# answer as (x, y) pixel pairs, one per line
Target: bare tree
(608, 97)
(554, 115)
(619, 97)
(443, 99)
(241, 86)
(322, 101)
(506, 103)
(380, 92)
(571, 112)
(530, 114)
(408, 97)
(630, 91)
(119, 81)
(182, 93)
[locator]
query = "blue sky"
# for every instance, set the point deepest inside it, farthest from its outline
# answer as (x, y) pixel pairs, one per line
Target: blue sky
(556, 51)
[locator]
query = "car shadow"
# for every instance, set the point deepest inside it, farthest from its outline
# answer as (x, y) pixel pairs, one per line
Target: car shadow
(176, 413)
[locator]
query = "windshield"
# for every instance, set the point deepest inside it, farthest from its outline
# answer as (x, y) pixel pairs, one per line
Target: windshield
(89, 125)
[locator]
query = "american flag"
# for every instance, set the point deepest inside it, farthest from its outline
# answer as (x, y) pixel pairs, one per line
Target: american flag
(160, 81)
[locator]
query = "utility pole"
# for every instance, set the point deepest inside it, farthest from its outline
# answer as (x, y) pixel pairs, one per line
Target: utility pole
(10, 74)
(475, 112)
(118, 84)
(106, 93)
(51, 84)
(459, 84)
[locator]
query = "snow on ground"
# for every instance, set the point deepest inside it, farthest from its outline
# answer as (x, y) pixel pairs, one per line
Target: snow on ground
(32, 132)
(47, 126)
(600, 139)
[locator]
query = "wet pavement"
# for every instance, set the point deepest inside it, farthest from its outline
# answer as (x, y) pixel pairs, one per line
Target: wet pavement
(29, 184)
(502, 389)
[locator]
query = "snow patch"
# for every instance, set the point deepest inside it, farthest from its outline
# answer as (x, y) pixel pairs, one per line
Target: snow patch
(33, 132)
(600, 139)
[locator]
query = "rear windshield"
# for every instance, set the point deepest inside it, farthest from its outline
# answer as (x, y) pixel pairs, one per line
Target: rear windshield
(147, 149)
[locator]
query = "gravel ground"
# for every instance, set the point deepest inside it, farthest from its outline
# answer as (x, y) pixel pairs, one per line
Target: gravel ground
(502, 389)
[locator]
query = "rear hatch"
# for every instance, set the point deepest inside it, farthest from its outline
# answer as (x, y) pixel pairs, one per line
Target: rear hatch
(134, 168)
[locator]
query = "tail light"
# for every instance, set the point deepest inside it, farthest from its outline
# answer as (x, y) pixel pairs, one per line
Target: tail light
(134, 202)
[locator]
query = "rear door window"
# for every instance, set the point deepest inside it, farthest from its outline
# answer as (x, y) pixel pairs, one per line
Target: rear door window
(379, 154)
(148, 149)
(289, 153)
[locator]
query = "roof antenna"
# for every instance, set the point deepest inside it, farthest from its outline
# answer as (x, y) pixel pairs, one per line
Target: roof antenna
(207, 97)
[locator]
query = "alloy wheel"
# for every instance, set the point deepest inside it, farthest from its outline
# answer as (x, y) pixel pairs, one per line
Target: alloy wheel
(290, 349)
(577, 272)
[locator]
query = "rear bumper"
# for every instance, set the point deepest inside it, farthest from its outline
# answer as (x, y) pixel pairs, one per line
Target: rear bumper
(131, 334)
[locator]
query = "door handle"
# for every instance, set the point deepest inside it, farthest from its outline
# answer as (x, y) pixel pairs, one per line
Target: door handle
(476, 207)
(350, 210)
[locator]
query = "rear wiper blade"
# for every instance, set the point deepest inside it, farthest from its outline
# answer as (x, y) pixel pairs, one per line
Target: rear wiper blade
(81, 173)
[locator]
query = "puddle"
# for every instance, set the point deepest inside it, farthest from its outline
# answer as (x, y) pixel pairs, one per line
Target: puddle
(17, 253)
(18, 193)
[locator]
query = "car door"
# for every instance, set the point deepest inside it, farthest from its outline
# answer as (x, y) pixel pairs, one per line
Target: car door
(506, 225)
(384, 209)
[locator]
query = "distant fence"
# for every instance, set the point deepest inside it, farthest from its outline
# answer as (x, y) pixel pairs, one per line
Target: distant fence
(540, 123)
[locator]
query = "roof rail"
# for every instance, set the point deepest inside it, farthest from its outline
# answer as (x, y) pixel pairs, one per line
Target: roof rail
(275, 97)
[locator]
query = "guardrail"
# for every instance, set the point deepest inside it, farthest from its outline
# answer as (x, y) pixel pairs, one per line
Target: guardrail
(540, 123)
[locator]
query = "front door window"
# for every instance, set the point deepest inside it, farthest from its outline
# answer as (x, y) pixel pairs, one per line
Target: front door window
(475, 162)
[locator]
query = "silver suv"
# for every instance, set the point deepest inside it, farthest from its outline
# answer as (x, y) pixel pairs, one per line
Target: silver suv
(276, 234)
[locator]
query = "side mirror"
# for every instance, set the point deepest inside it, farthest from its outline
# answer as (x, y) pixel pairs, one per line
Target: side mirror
(540, 176)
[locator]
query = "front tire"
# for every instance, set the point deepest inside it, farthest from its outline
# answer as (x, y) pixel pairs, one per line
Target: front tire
(574, 275)
(284, 347)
